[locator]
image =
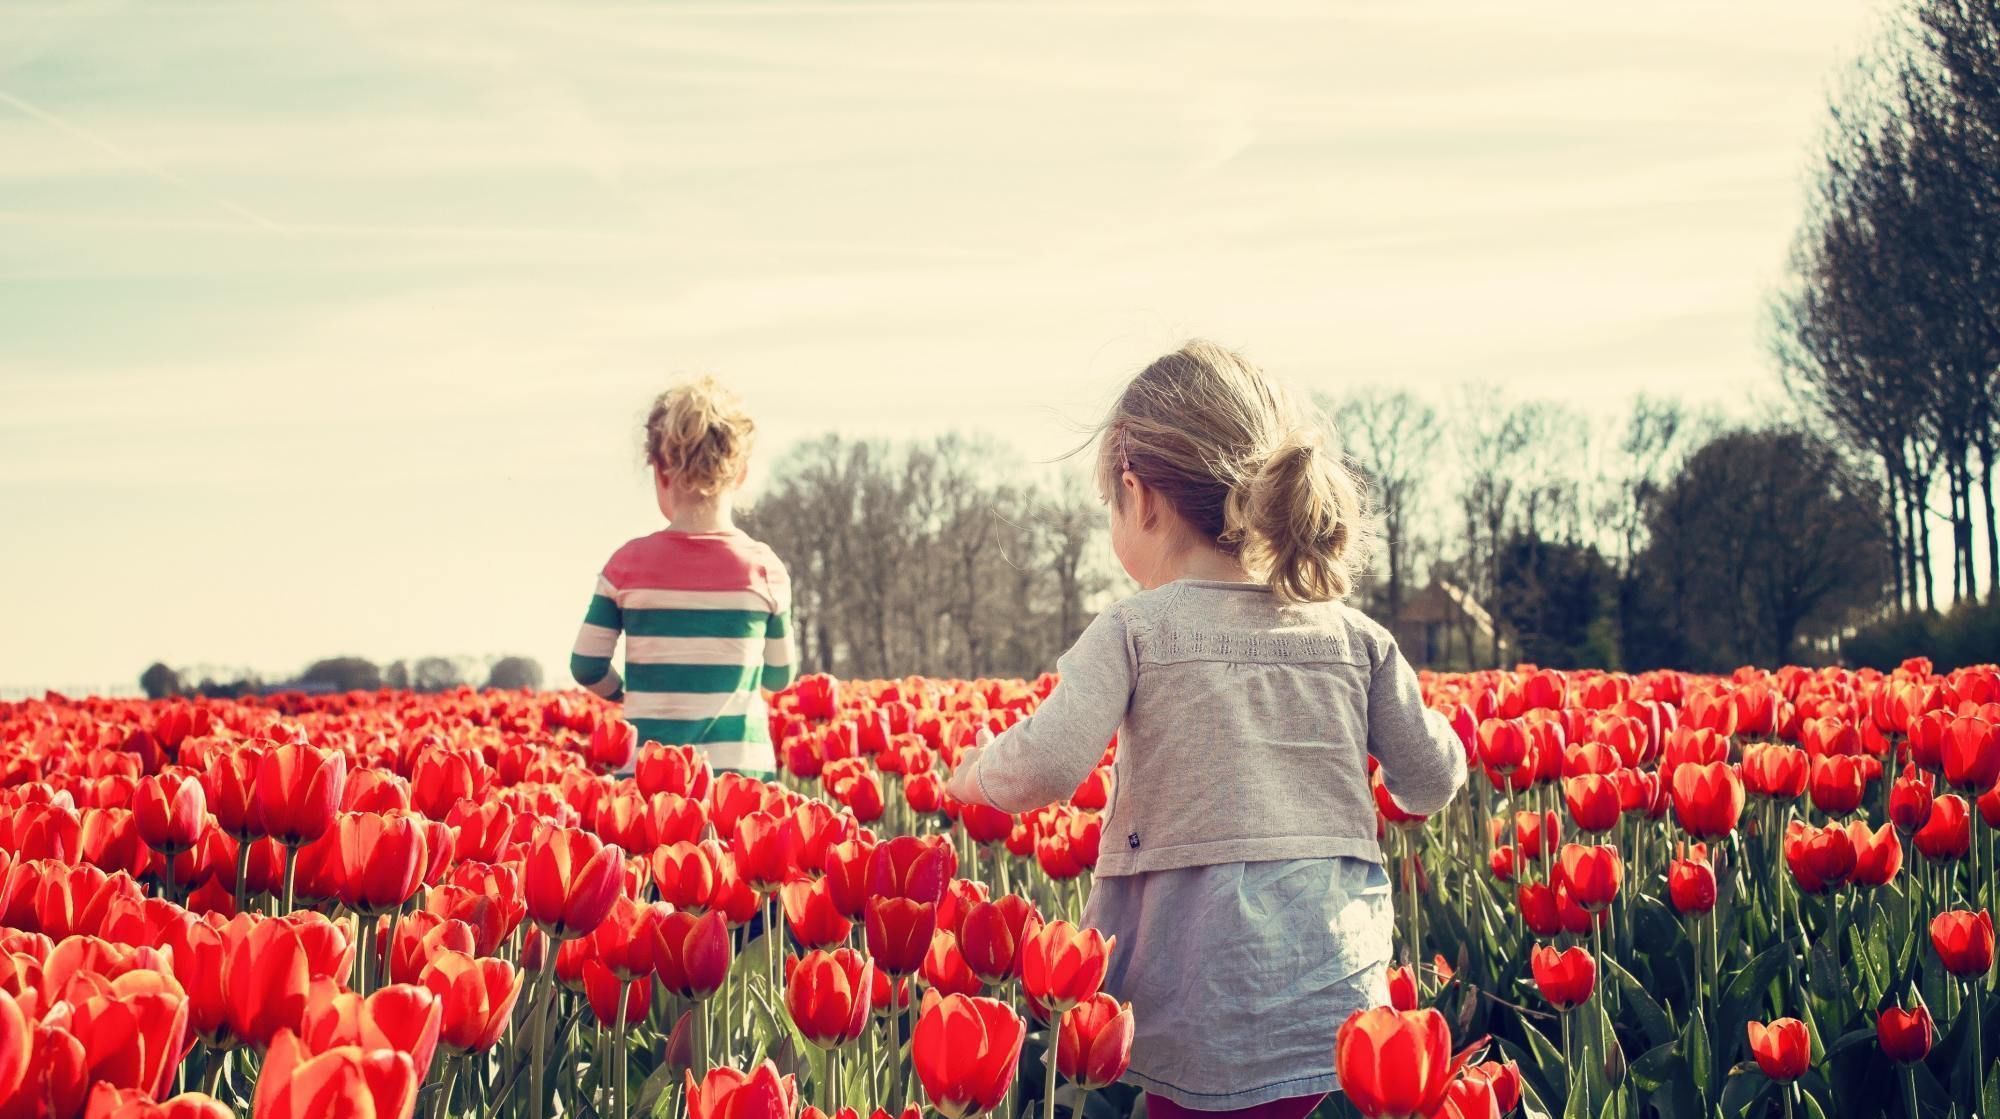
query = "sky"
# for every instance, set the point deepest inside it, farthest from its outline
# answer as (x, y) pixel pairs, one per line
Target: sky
(329, 328)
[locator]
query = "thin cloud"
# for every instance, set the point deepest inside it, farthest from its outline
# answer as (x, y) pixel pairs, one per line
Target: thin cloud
(140, 163)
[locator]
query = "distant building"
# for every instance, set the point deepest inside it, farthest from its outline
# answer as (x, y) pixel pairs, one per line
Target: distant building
(1444, 626)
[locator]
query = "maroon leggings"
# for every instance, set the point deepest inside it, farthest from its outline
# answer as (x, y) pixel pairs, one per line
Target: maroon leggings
(1298, 1107)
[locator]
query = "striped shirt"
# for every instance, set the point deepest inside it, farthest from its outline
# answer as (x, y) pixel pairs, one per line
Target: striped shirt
(707, 623)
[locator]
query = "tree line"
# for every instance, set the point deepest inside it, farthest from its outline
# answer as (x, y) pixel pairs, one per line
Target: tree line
(346, 674)
(1676, 541)
(1888, 327)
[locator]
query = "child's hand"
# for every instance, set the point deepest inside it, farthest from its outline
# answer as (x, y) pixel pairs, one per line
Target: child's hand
(962, 787)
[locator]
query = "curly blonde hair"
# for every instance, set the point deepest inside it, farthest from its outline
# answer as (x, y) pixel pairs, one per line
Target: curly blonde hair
(1243, 463)
(698, 434)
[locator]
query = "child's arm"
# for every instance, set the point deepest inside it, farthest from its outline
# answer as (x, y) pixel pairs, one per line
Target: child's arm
(590, 660)
(780, 651)
(1044, 757)
(1423, 762)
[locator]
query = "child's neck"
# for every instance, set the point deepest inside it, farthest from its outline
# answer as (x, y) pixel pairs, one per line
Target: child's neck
(708, 516)
(1204, 561)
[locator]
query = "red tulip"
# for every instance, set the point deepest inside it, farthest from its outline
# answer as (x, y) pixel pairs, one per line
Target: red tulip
(765, 850)
(1394, 1062)
(1505, 1077)
(1565, 978)
(1094, 1046)
(570, 879)
(1593, 802)
(911, 867)
(16, 1040)
(171, 811)
(827, 996)
(345, 1081)
(1775, 771)
(1820, 859)
(1837, 784)
(945, 969)
(1062, 965)
(602, 988)
(612, 745)
(381, 862)
(108, 1102)
(846, 865)
(1691, 882)
(476, 998)
(1539, 908)
(1905, 1035)
(297, 792)
(131, 1032)
(1503, 744)
(991, 935)
(810, 913)
(1878, 854)
(1972, 754)
(267, 976)
(1964, 941)
(1403, 993)
(899, 933)
(1469, 1097)
(1783, 1049)
(1708, 799)
(1593, 874)
(687, 874)
(986, 825)
(966, 1051)
(1910, 800)
(680, 770)
(691, 954)
(726, 1093)
(400, 1016)
(446, 782)
(375, 790)
(1947, 834)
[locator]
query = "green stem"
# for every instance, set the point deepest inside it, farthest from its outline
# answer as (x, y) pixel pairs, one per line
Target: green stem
(441, 1107)
(1909, 1091)
(1974, 1004)
(698, 1058)
(242, 873)
(291, 870)
(618, 1052)
(1055, 1039)
(536, 1100)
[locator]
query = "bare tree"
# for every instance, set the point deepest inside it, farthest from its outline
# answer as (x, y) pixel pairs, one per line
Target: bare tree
(1392, 439)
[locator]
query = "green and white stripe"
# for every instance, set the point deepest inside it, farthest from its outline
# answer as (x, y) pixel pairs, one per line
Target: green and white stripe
(694, 661)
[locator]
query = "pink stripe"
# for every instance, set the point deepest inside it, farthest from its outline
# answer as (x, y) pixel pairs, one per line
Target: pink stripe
(675, 561)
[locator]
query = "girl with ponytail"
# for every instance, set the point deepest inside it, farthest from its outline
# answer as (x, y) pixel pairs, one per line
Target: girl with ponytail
(1240, 871)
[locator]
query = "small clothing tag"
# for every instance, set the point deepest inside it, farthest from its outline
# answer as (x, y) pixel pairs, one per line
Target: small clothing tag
(1132, 841)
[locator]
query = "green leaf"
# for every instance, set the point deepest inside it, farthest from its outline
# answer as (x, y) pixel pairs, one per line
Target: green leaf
(1656, 1065)
(653, 1095)
(1860, 1036)
(1553, 1077)
(1701, 1062)
(1825, 978)
(1654, 1021)
(1744, 1090)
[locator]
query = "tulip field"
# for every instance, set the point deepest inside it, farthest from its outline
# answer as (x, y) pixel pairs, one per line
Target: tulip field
(1757, 895)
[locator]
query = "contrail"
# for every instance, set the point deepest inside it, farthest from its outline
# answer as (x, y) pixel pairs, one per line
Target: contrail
(143, 164)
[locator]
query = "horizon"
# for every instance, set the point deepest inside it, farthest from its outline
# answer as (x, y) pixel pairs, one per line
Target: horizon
(329, 330)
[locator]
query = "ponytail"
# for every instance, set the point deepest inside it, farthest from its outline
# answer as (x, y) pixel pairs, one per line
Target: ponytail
(1300, 515)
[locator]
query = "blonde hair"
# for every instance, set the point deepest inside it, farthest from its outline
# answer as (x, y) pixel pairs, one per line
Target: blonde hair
(1244, 464)
(698, 434)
